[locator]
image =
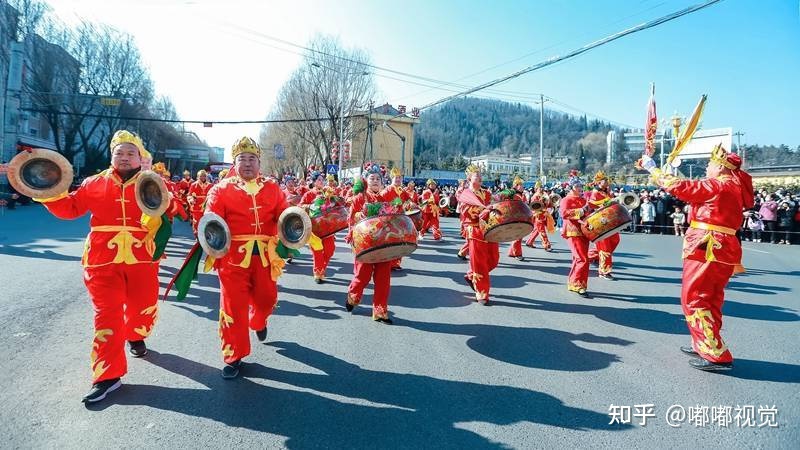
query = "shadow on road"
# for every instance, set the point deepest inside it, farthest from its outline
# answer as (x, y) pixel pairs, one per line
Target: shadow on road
(401, 410)
(540, 348)
(749, 369)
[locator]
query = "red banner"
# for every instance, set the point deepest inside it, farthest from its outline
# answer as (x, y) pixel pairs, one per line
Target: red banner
(651, 125)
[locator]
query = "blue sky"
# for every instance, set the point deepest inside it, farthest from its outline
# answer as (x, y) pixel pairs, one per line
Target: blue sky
(744, 54)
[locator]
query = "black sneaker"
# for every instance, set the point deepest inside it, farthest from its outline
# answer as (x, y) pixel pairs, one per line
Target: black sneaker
(708, 366)
(583, 293)
(396, 268)
(607, 276)
(289, 260)
(521, 258)
(137, 348)
(100, 389)
(461, 257)
(231, 370)
(387, 321)
(262, 334)
(318, 280)
(689, 350)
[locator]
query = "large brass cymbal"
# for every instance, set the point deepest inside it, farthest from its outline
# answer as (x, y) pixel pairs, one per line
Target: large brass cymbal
(40, 173)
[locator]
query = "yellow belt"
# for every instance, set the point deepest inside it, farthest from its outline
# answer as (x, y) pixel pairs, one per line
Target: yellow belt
(124, 242)
(267, 246)
(711, 227)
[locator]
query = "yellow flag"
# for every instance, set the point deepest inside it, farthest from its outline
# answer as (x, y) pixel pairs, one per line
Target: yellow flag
(688, 132)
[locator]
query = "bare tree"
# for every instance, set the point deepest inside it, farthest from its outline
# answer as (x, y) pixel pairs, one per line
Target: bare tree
(330, 84)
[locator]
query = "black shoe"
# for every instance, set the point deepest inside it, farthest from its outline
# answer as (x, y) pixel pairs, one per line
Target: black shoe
(469, 282)
(289, 260)
(262, 334)
(607, 276)
(708, 366)
(397, 268)
(461, 257)
(583, 293)
(318, 280)
(231, 370)
(137, 349)
(521, 258)
(689, 350)
(348, 306)
(386, 321)
(484, 302)
(100, 389)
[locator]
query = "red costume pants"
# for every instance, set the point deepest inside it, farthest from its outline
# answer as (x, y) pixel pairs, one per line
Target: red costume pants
(702, 295)
(247, 299)
(516, 249)
(380, 273)
(539, 228)
(431, 221)
(196, 215)
(323, 257)
(602, 254)
(124, 298)
(483, 258)
(579, 273)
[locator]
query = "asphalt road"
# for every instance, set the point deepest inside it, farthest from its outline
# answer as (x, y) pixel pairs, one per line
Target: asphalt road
(537, 368)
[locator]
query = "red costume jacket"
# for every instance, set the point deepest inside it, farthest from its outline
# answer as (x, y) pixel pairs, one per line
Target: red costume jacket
(199, 191)
(572, 209)
(117, 234)
(251, 211)
(392, 192)
(430, 202)
(717, 207)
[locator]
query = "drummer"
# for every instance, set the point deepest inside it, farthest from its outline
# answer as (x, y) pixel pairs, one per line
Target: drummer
(430, 210)
(573, 208)
(323, 253)
(331, 179)
(601, 254)
(483, 255)
(392, 193)
(362, 272)
(543, 222)
(515, 251)
(464, 250)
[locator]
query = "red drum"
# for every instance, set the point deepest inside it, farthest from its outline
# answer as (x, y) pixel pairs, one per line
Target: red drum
(416, 216)
(605, 222)
(330, 222)
(508, 221)
(384, 238)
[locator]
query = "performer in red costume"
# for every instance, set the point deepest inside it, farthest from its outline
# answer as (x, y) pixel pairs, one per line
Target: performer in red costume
(183, 187)
(380, 273)
(574, 207)
(392, 193)
(412, 193)
(711, 251)
(250, 205)
(483, 255)
(332, 184)
(197, 197)
(515, 250)
(430, 210)
(602, 253)
(543, 222)
(323, 253)
(118, 267)
(464, 250)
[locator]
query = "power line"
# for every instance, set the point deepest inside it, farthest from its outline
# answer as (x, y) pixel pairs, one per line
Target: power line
(577, 52)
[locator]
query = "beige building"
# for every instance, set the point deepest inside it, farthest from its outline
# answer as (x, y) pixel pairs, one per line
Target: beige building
(380, 142)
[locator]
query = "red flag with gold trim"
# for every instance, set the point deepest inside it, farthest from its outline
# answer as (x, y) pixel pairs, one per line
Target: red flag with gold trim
(652, 123)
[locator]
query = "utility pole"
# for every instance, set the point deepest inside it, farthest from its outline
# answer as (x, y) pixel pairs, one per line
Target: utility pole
(739, 135)
(541, 141)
